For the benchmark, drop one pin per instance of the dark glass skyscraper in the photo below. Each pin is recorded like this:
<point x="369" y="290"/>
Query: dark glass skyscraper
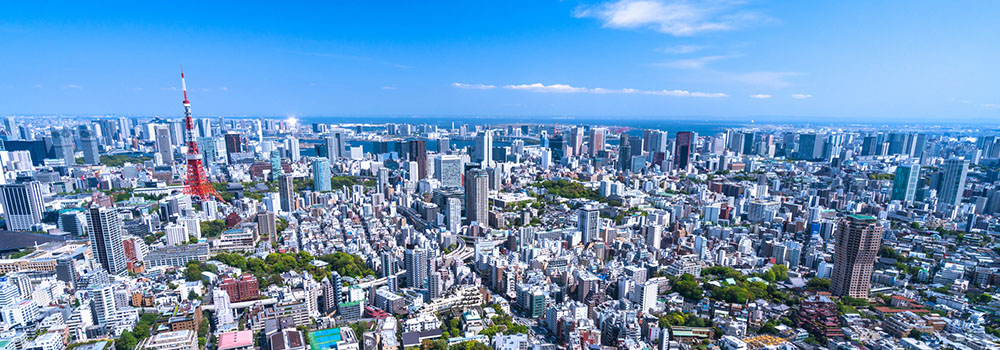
<point x="682" y="149"/>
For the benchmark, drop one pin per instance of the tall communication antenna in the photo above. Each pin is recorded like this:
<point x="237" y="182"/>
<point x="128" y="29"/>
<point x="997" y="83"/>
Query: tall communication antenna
<point x="196" y="183"/>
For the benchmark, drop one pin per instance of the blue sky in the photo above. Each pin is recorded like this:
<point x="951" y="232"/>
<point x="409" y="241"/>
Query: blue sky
<point x="789" y="60"/>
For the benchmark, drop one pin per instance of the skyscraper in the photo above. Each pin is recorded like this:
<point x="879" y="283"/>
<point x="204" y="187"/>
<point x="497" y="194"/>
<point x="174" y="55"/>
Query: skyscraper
<point x="286" y="194"/>
<point x="418" y="153"/>
<point x="476" y="192"/>
<point x="336" y="145"/>
<point x="105" y="228"/>
<point x="88" y="141"/>
<point x="62" y="145"/>
<point x="448" y="170"/>
<point x="682" y="149"/>
<point x="952" y="183"/>
<point x="435" y="285"/>
<point x="587" y="222"/>
<point x="267" y="225"/>
<point x="657" y="141"/>
<point x="235" y="146"/>
<point x="904" y="186"/>
<point x="810" y="147"/>
<point x="576" y="140"/>
<point x="321" y="175"/>
<point x="484" y="148"/>
<point x="415" y="261"/>
<point x="276" y="169"/>
<point x="295" y="153"/>
<point x="22" y="205"/>
<point x="163" y="145"/>
<point x="624" y="154"/>
<point x="597" y="136"/>
<point x="858" y="241"/>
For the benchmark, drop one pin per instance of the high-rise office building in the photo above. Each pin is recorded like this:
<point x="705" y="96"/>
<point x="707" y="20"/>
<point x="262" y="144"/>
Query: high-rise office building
<point x="858" y="241"/>
<point x="588" y="222"/>
<point x="105" y="229"/>
<point x="476" y="196"/>
<point x="418" y="154"/>
<point x="869" y="145"/>
<point x="904" y="186"/>
<point x="295" y="152"/>
<point x="952" y="184"/>
<point x="415" y="262"/>
<point x="88" y="141"/>
<point x="657" y="141"/>
<point x="683" y="143"/>
<point x="237" y="148"/>
<point x="448" y="170"/>
<point x="267" y="225"/>
<point x="276" y="169"/>
<point x="163" y="144"/>
<point x="321" y="175"/>
<point x="596" y="141"/>
<point x="286" y="192"/>
<point x="62" y="145"/>
<point x="22" y="205"/>
<point x="435" y="285"/>
<point x="810" y="147"/>
<point x="336" y="145"/>
<point x="576" y="140"/>
<point x="624" y="154"/>
<point x="484" y="148"/>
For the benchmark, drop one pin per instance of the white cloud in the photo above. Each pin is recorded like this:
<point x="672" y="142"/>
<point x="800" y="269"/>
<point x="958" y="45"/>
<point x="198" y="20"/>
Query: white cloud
<point x="71" y="86"/>
<point x="564" y="88"/>
<point x="539" y="87"/>
<point x="801" y="96"/>
<point x="760" y="96"/>
<point x="991" y="105"/>
<point x="693" y="63"/>
<point x="389" y="87"/>
<point x="682" y="49"/>
<point x="472" y="86"/>
<point x="674" y="17"/>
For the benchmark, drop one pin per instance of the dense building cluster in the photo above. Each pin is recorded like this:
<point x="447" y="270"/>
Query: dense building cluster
<point x="397" y="236"/>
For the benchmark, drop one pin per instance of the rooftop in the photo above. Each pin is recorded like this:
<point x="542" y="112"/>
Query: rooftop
<point x="233" y="340"/>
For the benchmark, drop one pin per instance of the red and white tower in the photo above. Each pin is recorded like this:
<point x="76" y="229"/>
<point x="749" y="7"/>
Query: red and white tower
<point x="196" y="183"/>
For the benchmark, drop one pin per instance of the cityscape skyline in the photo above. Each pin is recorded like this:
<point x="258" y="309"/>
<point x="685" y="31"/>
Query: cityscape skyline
<point x="757" y="60"/>
<point x="562" y="175"/>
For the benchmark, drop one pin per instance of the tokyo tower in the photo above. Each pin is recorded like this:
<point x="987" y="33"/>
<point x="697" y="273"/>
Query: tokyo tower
<point x="196" y="183"/>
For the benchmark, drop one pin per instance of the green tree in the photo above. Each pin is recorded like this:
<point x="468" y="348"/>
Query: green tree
<point x="780" y="272"/>
<point x="126" y="341"/>
<point x="818" y="284"/>
<point x="769" y="327"/>
<point x="688" y="287"/>
<point x="212" y="228"/>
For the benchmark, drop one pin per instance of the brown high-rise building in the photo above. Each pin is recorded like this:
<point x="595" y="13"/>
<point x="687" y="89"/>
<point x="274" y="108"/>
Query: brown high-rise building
<point x="859" y="238"/>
